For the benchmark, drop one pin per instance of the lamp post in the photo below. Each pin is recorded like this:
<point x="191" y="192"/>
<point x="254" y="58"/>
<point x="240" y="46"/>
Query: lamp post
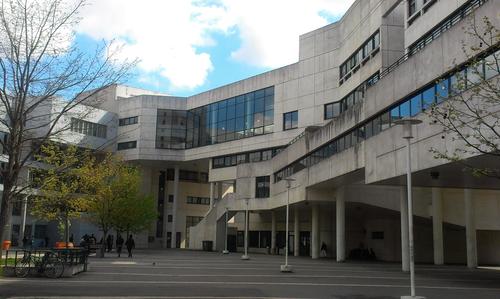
<point x="245" y="256"/>
<point x="407" y="124"/>
<point x="225" y="251"/>
<point x="286" y="267"/>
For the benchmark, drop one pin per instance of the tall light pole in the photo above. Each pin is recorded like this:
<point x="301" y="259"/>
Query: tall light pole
<point x="407" y="124"/>
<point x="225" y="251"/>
<point x="245" y="256"/>
<point x="286" y="267"/>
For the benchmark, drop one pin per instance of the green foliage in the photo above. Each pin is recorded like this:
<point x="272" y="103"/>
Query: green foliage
<point x="114" y="200"/>
<point x="59" y="183"/>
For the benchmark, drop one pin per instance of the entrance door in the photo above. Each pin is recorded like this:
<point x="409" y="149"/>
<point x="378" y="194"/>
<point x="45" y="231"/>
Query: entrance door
<point x="178" y="240"/>
<point x="291" y="238"/>
<point x="305" y="244"/>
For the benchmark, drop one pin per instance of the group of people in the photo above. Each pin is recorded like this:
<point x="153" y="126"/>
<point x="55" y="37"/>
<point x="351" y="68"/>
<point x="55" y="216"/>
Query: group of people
<point x="87" y="241"/>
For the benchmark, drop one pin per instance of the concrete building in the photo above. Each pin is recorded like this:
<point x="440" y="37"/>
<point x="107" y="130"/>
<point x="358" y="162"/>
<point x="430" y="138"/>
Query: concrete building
<point x="327" y="121"/>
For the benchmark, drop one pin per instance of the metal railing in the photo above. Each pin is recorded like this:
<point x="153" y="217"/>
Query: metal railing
<point x="70" y="256"/>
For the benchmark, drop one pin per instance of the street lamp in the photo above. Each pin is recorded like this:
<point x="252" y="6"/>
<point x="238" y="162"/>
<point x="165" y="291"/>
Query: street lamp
<point x="407" y="124"/>
<point x="245" y="256"/>
<point x="225" y="251"/>
<point x="286" y="267"/>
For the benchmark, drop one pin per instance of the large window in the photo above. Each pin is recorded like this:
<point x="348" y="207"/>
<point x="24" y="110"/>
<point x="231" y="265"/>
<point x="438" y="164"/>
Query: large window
<point x="171" y="129"/>
<point x="88" y="128"/>
<point x="194" y="200"/>
<point x="235" y="118"/>
<point x="290" y="120"/>
<point x="262" y="186"/>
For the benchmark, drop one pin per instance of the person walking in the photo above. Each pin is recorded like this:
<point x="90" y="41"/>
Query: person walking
<point x="323" y="249"/>
<point x="130" y="245"/>
<point x="109" y="243"/>
<point x="119" y="244"/>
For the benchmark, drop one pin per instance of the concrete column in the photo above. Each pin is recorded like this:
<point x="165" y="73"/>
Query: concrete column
<point x="340" y="224"/>
<point x="437" y="226"/>
<point x="273" y="232"/>
<point x="219" y="190"/>
<point x="405" y="249"/>
<point x="212" y="190"/>
<point x="470" y="229"/>
<point x="296" y="232"/>
<point x="174" y="208"/>
<point x="315" y="231"/>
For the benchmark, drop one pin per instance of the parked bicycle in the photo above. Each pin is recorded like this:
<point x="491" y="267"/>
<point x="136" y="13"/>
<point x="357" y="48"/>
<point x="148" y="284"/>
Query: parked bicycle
<point x="49" y="264"/>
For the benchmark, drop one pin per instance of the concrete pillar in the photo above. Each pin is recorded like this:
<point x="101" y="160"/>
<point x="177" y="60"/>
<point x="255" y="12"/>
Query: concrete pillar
<point x="315" y="231"/>
<point x="219" y="190"/>
<point x="273" y="232"/>
<point x="470" y="229"/>
<point x="174" y="208"/>
<point x="437" y="226"/>
<point x="405" y="249"/>
<point x="340" y="224"/>
<point x="296" y="232"/>
<point x="212" y="190"/>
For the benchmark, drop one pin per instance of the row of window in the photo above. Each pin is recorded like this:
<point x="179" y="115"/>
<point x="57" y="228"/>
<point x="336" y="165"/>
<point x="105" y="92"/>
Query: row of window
<point x="369" y="47"/>
<point x="126" y="145"/>
<point x="88" y="128"/>
<point x="433" y="94"/>
<point x="415" y="6"/>
<point x="446" y="24"/>
<point x="290" y="120"/>
<point x="198" y="200"/>
<point x="336" y="108"/>
<point x="233" y="160"/>
<point x="128" y="121"/>
<point x="235" y="118"/>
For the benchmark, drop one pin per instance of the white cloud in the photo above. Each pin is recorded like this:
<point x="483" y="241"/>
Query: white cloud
<point x="167" y="36"/>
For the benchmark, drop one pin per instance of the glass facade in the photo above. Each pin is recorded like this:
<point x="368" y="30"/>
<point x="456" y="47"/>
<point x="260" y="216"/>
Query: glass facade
<point x="256" y="156"/>
<point x="235" y="118"/>
<point x="88" y="128"/>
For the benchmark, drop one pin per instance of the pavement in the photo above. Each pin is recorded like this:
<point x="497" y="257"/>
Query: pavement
<point x="194" y="274"/>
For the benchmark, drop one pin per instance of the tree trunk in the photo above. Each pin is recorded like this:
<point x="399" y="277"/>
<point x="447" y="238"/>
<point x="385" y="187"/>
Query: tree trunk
<point x="66" y="230"/>
<point x="102" y="250"/>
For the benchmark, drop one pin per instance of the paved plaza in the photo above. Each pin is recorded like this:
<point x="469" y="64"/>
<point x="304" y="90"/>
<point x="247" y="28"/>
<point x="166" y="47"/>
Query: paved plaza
<point x="193" y="274"/>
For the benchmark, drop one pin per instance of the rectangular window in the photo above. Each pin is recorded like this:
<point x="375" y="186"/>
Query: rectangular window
<point x="169" y="218"/>
<point x="128" y="121"/>
<point x="428" y="97"/>
<point x="290" y="120"/>
<point x="262" y="186"/>
<point x="126" y="145"/>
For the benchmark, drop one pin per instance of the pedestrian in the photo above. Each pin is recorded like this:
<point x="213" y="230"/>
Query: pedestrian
<point x="130" y="245"/>
<point x="119" y="244"/>
<point x="25" y="242"/>
<point x="71" y="239"/>
<point x="109" y="242"/>
<point x="323" y="249"/>
<point x="46" y="239"/>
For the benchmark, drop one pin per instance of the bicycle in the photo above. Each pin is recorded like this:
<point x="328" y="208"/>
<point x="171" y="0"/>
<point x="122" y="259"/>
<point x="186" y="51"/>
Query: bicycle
<point x="49" y="264"/>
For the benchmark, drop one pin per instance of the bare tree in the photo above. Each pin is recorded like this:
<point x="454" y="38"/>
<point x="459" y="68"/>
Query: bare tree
<point x="43" y="76"/>
<point x="471" y="113"/>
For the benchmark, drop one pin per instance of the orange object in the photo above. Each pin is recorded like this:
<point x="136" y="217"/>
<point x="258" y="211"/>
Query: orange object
<point x="63" y="245"/>
<point x="6" y="245"/>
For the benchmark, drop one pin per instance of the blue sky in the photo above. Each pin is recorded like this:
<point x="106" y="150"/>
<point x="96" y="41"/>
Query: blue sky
<point x="186" y="47"/>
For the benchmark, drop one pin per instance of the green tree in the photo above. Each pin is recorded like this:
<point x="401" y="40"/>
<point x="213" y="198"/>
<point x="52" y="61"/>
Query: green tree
<point x="111" y="187"/>
<point x="58" y="183"/>
<point x="471" y="115"/>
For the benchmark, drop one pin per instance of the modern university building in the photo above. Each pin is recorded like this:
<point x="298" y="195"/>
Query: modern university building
<point x="327" y="122"/>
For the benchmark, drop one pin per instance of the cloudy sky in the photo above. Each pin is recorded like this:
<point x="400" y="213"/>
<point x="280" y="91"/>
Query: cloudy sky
<point x="186" y="47"/>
